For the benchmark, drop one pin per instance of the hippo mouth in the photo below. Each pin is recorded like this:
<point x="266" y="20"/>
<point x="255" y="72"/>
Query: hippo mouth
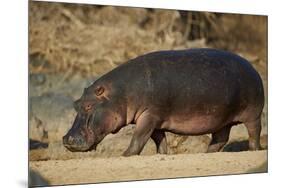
<point x="86" y="145"/>
<point x="80" y="148"/>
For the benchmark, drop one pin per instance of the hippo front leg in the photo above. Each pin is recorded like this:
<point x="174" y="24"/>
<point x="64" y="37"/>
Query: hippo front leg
<point x="145" y="126"/>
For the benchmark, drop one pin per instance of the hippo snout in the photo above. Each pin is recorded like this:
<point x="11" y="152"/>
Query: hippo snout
<point x="68" y="140"/>
<point x="75" y="143"/>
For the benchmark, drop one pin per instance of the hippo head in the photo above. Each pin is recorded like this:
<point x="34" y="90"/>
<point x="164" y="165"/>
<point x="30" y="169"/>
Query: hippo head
<point x="96" y="117"/>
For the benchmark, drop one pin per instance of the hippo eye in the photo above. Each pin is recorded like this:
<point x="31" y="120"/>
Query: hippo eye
<point x="99" y="90"/>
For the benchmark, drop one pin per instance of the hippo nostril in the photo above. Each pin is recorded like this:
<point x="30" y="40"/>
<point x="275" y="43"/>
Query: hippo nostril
<point x="79" y="140"/>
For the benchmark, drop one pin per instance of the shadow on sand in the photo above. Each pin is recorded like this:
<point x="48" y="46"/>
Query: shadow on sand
<point x="243" y="145"/>
<point x="34" y="144"/>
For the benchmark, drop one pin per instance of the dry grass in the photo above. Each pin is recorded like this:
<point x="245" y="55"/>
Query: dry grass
<point x="92" y="40"/>
<point x="81" y="40"/>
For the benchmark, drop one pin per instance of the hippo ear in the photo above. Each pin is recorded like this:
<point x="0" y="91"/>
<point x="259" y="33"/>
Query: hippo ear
<point x="99" y="90"/>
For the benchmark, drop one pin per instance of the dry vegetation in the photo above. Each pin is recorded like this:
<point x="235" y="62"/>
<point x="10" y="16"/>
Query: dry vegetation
<point x="94" y="39"/>
<point x="70" y="45"/>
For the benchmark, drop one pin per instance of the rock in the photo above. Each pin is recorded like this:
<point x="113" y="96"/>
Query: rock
<point x="41" y="84"/>
<point x="37" y="79"/>
<point x="37" y="130"/>
<point x="51" y="115"/>
<point x="187" y="144"/>
<point x="50" y="105"/>
<point x="51" y="98"/>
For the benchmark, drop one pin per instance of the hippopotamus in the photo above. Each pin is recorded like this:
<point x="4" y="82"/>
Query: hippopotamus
<point x="186" y="92"/>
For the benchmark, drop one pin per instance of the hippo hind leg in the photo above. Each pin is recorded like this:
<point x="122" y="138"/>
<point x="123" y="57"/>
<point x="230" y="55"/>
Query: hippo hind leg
<point x="219" y="139"/>
<point x="254" y="131"/>
<point x="159" y="137"/>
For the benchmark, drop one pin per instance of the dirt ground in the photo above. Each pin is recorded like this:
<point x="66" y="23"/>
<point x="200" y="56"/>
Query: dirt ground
<point x="70" y="46"/>
<point x="88" y="170"/>
<point x="186" y="158"/>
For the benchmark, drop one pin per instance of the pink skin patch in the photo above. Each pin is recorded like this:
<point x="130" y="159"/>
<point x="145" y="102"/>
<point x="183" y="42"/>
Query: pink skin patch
<point x="88" y="134"/>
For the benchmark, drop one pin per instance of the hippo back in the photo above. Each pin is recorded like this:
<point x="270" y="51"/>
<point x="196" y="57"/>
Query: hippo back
<point x="188" y="81"/>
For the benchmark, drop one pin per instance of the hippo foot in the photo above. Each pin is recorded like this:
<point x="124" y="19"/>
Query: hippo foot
<point x="254" y="131"/>
<point x="215" y="147"/>
<point x="162" y="150"/>
<point x="253" y="146"/>
<point x="128" y="153"/>
<point x="219" y="139"/>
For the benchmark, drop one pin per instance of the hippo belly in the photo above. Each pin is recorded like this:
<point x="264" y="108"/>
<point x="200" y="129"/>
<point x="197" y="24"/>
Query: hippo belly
<point x="197" y="125"/>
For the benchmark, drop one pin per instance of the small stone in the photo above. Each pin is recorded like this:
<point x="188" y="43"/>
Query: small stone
<point x="37" y="79"/>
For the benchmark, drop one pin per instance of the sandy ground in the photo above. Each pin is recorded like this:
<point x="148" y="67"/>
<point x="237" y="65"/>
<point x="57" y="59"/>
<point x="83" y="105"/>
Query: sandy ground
<point x="93" y="170"/>
<point x="186" y="158"/>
